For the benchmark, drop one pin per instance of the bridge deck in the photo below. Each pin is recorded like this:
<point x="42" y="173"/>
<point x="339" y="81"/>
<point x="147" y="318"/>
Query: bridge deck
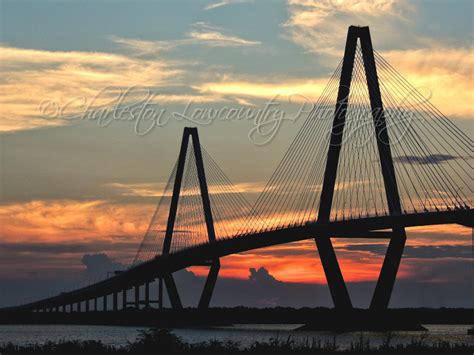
<point x="199" y="254"/>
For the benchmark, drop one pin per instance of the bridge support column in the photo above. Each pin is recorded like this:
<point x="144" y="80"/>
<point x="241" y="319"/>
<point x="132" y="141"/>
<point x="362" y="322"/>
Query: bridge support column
<point x="209" y="285"/>
<point x="137" y="296"/>
<point x="173" y="292"/>
<point x="147" y="294"/>
<point x="334" y="277"/>
<point x="87" y="305"/>
<point x="160" y="293"/>
<point x="388" y="273"/>
<point x="105" y="303"/>
<point x="124" y="299"/>
<point x="95" y="304"/>
<point x="79" y="306"/>
<point x="115" y="301"/>
<point x="337" y="286"/>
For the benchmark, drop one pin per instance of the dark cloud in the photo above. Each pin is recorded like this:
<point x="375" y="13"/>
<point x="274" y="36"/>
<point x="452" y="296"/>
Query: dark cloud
<point x="48" y="281"/>
<point x="441" y="271"/>
<point x="98" y="265"/>
<point x="427" y="159"/>
<point x="262" y="277"/>
<point x="429" y="251"/>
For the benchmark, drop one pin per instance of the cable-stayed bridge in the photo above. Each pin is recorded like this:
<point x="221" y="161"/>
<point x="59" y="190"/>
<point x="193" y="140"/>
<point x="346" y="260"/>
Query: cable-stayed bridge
<point x="373" y="158"/>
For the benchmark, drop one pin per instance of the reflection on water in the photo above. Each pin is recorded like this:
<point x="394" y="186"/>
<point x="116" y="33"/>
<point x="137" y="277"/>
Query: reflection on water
<point x="245" y="334"/>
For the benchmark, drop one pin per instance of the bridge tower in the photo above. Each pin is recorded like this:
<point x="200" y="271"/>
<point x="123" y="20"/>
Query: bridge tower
<point x="190" y="132"/>
<point x="386" y="281"/>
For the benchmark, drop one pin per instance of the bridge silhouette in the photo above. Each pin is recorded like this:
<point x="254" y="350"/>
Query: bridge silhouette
<point x="368" y="163"/>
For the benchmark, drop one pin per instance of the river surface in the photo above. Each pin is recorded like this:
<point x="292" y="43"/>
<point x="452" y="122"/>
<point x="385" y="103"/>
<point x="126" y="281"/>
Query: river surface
<point x="245" y="334"/>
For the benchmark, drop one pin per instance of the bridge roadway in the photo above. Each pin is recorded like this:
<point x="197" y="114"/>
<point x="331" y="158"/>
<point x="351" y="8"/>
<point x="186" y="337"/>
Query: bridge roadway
<point x="370" y="227"/>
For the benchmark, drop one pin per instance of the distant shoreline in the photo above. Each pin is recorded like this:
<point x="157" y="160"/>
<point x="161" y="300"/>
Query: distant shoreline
<point x="313" y="318"/>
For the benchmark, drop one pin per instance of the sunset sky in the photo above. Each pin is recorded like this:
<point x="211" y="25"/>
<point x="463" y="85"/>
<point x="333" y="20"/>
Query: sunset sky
<point x="79" y="178"/>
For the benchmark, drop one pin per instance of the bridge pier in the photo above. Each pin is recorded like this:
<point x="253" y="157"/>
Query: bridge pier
<point x="337" y="286"/>
<point x="79" y="306"/>
<point x="87" y="305"/>
<point x="206" y="295"/>
<point x="115" y="301"/>
<point x="173" y="292"/>
<point x="160" y="293"/>
<point x="137" y="296"/>
<point x="104" y="303"/>
<point x="147" y="294"/>
<point x="333" y="273"/>
<point x="388" y="273"/>
<point x="124" y="299"/>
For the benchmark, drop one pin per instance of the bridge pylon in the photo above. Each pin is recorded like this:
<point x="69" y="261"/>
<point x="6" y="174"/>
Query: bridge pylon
<point x="191" y="132"/>
<point x="386" y="281"/>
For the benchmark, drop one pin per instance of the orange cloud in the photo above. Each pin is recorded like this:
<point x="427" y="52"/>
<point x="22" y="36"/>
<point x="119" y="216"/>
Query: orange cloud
<point x="72" y="221"/>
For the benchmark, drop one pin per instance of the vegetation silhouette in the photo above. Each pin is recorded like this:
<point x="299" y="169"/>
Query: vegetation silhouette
<point x="163" y="341"/>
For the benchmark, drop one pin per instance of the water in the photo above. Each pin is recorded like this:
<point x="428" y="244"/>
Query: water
<point x="245" y="334"/>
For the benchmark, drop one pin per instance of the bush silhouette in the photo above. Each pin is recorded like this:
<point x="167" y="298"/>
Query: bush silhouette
<point x="156" y="339"/>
